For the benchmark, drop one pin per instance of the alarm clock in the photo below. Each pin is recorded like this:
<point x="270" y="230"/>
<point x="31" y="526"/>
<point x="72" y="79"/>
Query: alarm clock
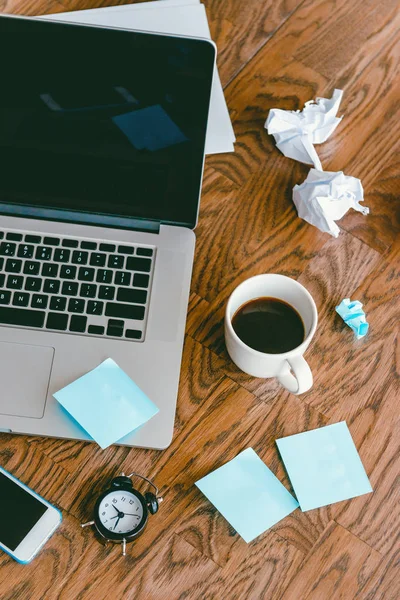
<point x="121" y="512"/>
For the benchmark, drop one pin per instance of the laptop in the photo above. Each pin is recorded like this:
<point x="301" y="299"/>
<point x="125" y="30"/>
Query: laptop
<point x="102" y="135"/>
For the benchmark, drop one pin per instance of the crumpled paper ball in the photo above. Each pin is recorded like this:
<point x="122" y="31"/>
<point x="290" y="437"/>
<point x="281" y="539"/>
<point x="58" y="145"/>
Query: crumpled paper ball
<point x="295" y="131"/>
<point x="325" y="196"/>
<point x="353" y="315"/>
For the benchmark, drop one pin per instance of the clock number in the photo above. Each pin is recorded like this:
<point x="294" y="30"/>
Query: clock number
<point x="103" y="513"/>
<point x="106" y="505"/>
<point x="130" y="501"/>
<point x="123" y="499"/>
<point x="114" y="501"/>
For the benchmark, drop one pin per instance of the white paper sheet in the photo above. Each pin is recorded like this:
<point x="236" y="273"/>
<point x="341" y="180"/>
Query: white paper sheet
<point x="179" y="17"/>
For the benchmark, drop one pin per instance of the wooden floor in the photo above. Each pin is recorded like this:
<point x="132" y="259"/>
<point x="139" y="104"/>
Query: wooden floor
<point x="272" y="53"/>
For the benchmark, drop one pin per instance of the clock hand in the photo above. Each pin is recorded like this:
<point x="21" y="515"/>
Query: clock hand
<point x="131" y="515"/>
<point x="116" y="522"/>
<point x="113" y="505"/>
<point x="114" y="517"/>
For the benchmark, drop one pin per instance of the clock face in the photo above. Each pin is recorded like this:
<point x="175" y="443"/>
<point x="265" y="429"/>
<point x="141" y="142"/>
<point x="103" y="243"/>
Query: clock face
<point x="120" y="512"/>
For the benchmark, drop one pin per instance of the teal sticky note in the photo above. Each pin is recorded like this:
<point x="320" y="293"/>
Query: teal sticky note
<point x="247" y="494"/>
<point x="106" y="403"/>
<point x="324" y="466"/>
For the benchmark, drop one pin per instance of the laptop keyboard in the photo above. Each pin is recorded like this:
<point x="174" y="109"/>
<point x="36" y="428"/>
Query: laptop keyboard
<point x="75" y="285"/>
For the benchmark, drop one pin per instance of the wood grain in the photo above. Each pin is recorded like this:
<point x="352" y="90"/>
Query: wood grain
<point x="345" y="564"/>
<point x="270" y="54"/>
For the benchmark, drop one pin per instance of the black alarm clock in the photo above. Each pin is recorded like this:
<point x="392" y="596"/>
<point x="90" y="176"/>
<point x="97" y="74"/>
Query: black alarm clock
<point x="121" y="512"/>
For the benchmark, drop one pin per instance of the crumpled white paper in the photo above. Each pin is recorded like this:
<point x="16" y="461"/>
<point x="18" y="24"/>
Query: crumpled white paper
<point x="295" y="131"/>
<point x="325" y="197"/>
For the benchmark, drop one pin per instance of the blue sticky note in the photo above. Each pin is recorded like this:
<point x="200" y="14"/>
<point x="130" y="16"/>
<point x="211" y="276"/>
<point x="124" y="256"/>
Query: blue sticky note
<point x="324" y="466"/>
<point x="149" y="128"/>
<point x="106" y="403"/>
<point x="247" y="494"/>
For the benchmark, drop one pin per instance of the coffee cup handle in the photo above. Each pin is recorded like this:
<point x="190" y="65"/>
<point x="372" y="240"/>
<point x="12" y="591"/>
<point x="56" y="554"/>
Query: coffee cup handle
<point x="302" y="379"/>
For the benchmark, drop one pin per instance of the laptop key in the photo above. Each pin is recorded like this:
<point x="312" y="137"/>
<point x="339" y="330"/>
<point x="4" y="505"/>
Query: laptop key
<point x="144" y="251"/>
<point x="39" y="301"/>
<point x="5" y="298"/>
<point x="97" y="259"/>
<point x="14" y="237"/>
<point x="57" y="321"/>
<point x="138" y="264"/>
<point x="49" y="270"/>
<point x="20" y="299"/>
<point x="86" y="274"/>
<point x="88" y="245"/>
<point x="133" y="334"/>
<point x="107" y="247"/>
<point x="116" y="262"/>
<point x="79" y="257"/>
<point x="25" y="251"/>
<point x="70" y="243"/>
<point x="2" y="280"/>
<point x="33" y="284"/>
<point x="122" y="278"/>
<point x="78" y="323"/>
<point x="104" y="276"/>
<point x="1" y="263"/>
<point x="106" y="292"/>
<point x="97" y="329"/>
<point x="94" y="307"/>
<point x="62" y="255"/>
<point x="115" y="328"/>
<point x="133" y="296"/>
<point x="69" y="288"/>
<point x="44" y="253"/>
<point x="88" y="290"/>
<point x="126" y="250"/>
<point x="33" y="239"/>
<point x="7" y="249"/>
<point x="124" y="311"/>
<point x="31" y="267"/>
<point x="51" y="286"/>
<point x="13" y="265"/>
<point x="58" y="303"/>
<point x="67" y="272"/>
<point x="22" y="316"/>
<point x="76" y="305"/>
<point x="140" y="280"/>
<point x="15" y="282"/>
<point x="51" y="241"/>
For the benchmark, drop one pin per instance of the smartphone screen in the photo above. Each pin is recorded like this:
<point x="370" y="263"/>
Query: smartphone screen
<point x="19" y="512"/>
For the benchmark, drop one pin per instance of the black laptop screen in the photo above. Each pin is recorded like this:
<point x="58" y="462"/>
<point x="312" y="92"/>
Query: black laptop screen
<point x="102" y="121"/>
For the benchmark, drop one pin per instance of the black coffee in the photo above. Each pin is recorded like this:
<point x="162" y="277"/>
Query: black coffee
<point x="269" y="325"/>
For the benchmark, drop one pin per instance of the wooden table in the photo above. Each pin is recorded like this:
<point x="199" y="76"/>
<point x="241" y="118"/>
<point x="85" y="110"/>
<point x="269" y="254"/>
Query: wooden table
<point x="272" y="53"/>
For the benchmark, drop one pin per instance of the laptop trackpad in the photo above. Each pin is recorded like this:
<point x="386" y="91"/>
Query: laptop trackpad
<point x="24" y="375"/>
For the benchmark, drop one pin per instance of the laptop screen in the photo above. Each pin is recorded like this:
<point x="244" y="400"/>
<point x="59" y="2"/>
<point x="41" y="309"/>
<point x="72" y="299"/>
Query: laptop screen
<point x="102" y="122"/>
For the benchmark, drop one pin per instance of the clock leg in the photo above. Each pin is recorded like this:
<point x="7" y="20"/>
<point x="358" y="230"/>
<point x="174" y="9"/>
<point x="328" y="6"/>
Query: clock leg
<point x="124" y="547"/>
<point x="87" y="524"/>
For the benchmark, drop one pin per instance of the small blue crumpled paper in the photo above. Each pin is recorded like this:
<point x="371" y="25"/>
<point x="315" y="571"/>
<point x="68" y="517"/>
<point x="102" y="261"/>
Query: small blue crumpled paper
<point x="106" y="403"/>
<point x="353" y="315"/>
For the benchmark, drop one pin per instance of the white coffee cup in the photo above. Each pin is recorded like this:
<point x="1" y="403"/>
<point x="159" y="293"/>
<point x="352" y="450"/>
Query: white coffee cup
<point x="261" y="364"/>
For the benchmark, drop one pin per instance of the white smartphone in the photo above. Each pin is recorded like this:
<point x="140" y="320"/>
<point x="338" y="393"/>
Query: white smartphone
<point x="26" y="519"/>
